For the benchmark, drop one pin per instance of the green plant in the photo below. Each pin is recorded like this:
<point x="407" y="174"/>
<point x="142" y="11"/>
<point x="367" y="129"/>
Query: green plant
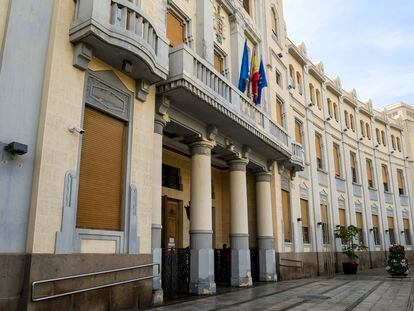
<point x="397" y="264"/>
<point x="348" y="237"/>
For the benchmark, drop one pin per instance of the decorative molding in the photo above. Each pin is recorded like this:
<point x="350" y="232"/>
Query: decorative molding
<point x="132" y="232"/>
<point x="82" y="55"/>
<point x="142" y="89"/>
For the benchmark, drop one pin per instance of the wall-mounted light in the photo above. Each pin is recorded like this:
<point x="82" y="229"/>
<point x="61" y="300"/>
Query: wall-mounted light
<point x="345" y="129"/>
<point x="126" y="66"/>
<point x="361" y="139"/>
<point x="376" y="146"/>
<point x="280" y="55"/>
<point x="386" y="231"/>
<point x="402" y="231"/>
<point x="319" y="223"/>
<point x="310" y="104"/>
<point x="338" y="226"/>
<point x="16" y="148"/>
<point x="299" y="219"/>
<point x="370" y="230"/>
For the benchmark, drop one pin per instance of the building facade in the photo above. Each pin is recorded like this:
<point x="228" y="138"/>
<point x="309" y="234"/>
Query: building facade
<point x="135" y="152"/>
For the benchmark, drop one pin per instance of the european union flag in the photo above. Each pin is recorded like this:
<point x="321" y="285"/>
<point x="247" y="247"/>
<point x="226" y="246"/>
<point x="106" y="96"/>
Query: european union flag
<point x="244" y="70"/>
<point x="262" y="82"/>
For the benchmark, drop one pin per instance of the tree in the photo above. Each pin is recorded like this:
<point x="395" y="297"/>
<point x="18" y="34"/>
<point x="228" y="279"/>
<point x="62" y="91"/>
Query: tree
<point x="348" y="237"/>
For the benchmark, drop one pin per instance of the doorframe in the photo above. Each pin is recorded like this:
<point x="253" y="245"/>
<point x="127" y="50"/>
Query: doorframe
<point x="180" y="216"/>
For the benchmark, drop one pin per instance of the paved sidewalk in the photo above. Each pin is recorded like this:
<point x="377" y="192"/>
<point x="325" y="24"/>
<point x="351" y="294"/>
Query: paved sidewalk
<point x="371" y="290"/>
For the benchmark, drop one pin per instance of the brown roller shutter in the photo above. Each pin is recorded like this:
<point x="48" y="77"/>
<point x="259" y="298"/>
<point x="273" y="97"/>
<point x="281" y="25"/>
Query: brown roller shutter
<point x="375" y="221"/>
<point x="218" y="62"/>
<point x="279" y="113"/>
<point x="384" y="175"/>
<point x="304" y="212"/>
<point x="318" y="146"/>
<point x="175" y="29"/>
<point x="324" y="214"/>
<point x="406" y="224"/>
<point x="359" y="220"/>
<point x="390" y="222"/>
<point x="246" y="5"/>
<point x="342" y="218"/>
<point x="298" y="132"/>
<point x="369" y="172"/>
<point x="400" y="179"/>
<point x="336" y="160"/>
<point x="352" y="160"/>
<point x="101" y="172"/>
<point x="286" y="215"/>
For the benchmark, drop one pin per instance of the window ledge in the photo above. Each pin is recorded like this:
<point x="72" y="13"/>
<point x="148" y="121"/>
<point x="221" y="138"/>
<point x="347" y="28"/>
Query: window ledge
<point x="356" y="184"/>
<point x="372" y="188"/>
<point x="340" y="178"/>
<point x="387" y="192"/>
<point x="322" y="171"/>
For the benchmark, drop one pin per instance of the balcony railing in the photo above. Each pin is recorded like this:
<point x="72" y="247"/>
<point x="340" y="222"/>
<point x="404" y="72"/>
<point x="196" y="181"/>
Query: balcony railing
<point x="118" y="30"/>
<point x="298" y="155"/>
<point x="214" y="87"/>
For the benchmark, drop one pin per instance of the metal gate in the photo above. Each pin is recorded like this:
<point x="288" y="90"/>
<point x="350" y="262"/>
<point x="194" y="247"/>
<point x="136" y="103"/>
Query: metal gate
<point x="222" y="267"/>
<point x="175" y="275"/>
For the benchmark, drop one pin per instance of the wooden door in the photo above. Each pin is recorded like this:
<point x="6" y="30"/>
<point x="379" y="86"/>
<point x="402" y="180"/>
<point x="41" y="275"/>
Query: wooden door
<point x="172" y="223"/>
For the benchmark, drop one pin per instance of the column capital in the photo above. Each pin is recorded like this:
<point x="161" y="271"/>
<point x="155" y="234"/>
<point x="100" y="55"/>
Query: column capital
<point x="263" y="176"/>
<point x="201" y="147"/>
<point x="238" y="164"/>
<point x="159" y="123"/>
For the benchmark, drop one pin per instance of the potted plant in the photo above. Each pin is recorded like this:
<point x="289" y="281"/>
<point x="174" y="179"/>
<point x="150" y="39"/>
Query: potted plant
<point x="348" y="237"/>
<point x="397" y="263"/>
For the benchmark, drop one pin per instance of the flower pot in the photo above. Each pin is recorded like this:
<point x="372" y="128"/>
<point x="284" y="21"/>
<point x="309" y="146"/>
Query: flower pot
<point x="350" y="267"/>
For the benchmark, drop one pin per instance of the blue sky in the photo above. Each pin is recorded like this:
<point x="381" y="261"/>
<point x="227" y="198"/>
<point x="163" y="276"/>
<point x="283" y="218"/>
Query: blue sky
<point x="369" y="44"/>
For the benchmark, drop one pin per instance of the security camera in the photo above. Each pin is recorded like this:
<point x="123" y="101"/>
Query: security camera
<point x="76" y="129"/>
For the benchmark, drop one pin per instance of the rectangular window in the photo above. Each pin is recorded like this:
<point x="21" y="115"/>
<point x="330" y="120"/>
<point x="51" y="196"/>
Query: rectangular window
<point x="246" y="5"/>
<point x="391" y="230"/>
<point x="324" y="220"/>
<point x="305" y="220"/>
<point x="298" y="132"/>
<point x="377" y="131"/>
<point x="407" y="234"/>
<point x="278" y="78"/>
<point x="279" y="112"/>
<point x="175" y="29"/>
<point x="368" y="131"/>
<point x="171" y="177"/>
<point x="101" y="175"/>
<point x="337" y="162"/>
<point x="342" y="219"/>
<point x="218" y="62"/>
<point x="360" y="227"/>
<point x="375" y="228"/>
<point x="362" y="128"/>
<point x="286" y="215"/>
<point x="385" y="178"/>
<point x="354" y="168"/>
<point x="318" y="146"/>
<point x="384" y="142"/>
<point x="369" y="173"/>
<point x="400" y="176"/>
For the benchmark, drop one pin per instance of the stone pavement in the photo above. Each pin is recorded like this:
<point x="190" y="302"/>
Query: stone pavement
<point x="371" y="290"/>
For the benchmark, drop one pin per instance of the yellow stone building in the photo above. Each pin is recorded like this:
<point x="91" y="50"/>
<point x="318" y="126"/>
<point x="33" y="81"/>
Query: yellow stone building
<point x="133" y="169"/>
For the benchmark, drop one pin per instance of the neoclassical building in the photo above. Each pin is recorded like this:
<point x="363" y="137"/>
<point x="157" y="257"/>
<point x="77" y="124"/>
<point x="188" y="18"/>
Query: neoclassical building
<point x="132" y="169"/>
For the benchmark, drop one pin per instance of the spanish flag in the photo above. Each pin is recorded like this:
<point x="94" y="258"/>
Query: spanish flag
<point x="254" y="77"/>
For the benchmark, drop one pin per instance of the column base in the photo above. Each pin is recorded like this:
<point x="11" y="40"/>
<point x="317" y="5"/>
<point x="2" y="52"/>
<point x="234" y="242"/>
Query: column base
<point x="202" y="264"/>
<point x="267" y="259"/>
<point x="157" y="297"/>
<point x="156" y="258"/>
<point x="241" y="275"/>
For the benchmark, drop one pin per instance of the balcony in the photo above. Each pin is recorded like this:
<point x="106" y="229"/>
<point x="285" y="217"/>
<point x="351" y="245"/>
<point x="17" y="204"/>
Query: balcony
<point x="119" y="33"/>
<point x="298" y="157"/>
<point x="195" y="87"/>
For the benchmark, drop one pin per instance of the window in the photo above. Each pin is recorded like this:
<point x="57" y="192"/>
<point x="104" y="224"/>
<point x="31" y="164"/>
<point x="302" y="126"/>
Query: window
<point x="218" y="62"/>
<point x="299" y="82"/>
<point x="305" y="220"/>
<point x="275" y="23"/>
<point x="354" y="168"/>
<point x="400" y="177"/>
<point x="279" y="112"/>
<point x="286" y="215"/>
<point x="346" y="119"/>
<point x="391" y="230"/>
<point x="336" y="112"/>
<point x="398" y="144"/>
<point x="375" y="229"/>
<point x="385" y="177"/>
<point x="377" y="131"/>
<point x="318" y="146"/>
<point x="360" y="227"/>
<point x="330" y="112"/>
<point x="384" y="142"/>
<point x="246" y="5"/>
<point x="369" y="173"/>
<point x="175" y="29"/>
<point x="312" y="93"/>
<point x="368" y="131"/>
<point x="337" y="162"/>
<point x="171" y="177"/>
<point x="361" y="123"/>
<point x="279" y="78"/>
<point x="298" y="131"/>
<point x="342" y="219"/>
<point x="324" y="221"/>
<point x="291" y="76"/>
<point x="318" y="99"/>
<point x="101" y="176"/>
<point x="393" y="142"/>
<point x="352" y="122"/>
<point x="407" y="234"/>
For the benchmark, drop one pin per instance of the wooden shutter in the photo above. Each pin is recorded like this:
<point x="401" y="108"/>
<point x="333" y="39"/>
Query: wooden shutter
<point x="218" y="62"/>
<point x="324" y="214"/>
<point x="378" y="136"/>
<point x="352" y="161"/>
<point x="342" y="218"/>
<point x="400" y="180"/>
<point x="274" y="19"/>
<point x="390" y="222"/>
<point x="246" y="5"/>
<point x="336" y="160"/>
<point x="358" y="220"/>
<point x="406" y="223"/>
<point x="384" y="175"/>
<point x="298" y="132"/>
<point x="318" y="146"/>
<point x="279" y="113"/>
<point x="101" y="172"/>
<point x="286" y="215"/>
<point x="346" y="119"/>
<point x="368" y="131"/>
<point x="375" y="221"/>
<point x="175" y="29"/>
<point x="369" y="171"/>
<point x="362" y="128"/>
<point x="304" y="212"/>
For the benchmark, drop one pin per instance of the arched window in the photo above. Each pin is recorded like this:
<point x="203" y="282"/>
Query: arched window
<point x="336" y="112"/>
<point x="393" y="142"/>
<point x="352" y="121"/>
<point x="398" y="144"/>
<point x="361" y="123"/>
<point x="346" y="119"/>
<point x="275" y="23"/>
<point x="312" y="93"/>
<point x="368" y="131"/>
<point x="384" y="142"/>
<point x="330" y="112"/>
<point x="377" y="132"/>
<point x="299" y="82"/>
<point x="318" y="99"/>
<point x="291" y="76"/>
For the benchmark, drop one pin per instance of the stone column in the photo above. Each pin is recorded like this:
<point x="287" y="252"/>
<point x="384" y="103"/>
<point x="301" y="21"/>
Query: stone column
<point x="239" y="228"/>
<point x="265" y="240"/>
<point x="159" y="124"/>
<point x="202" y="254"/>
